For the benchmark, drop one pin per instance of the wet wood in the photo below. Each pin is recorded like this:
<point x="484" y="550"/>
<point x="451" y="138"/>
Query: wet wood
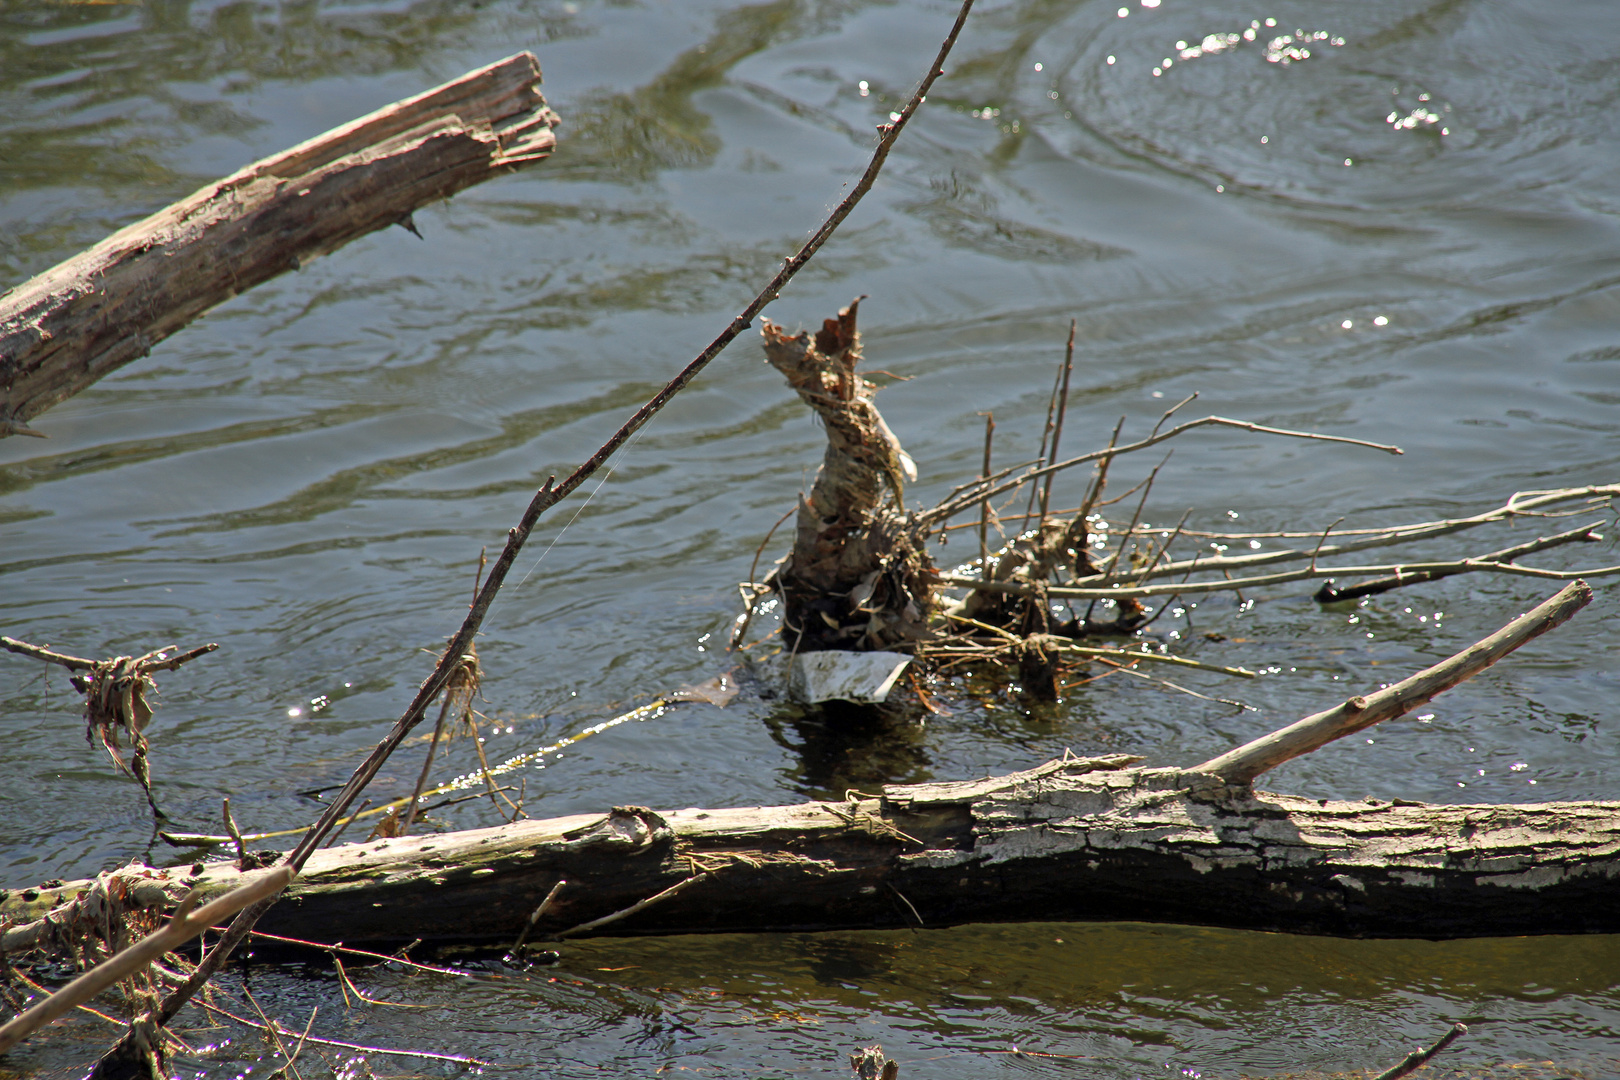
<point x="1079" y="839"/>
<point x="73" y="324"/>
<point x="1358" y="713"/>
<point x="859" y="575"/>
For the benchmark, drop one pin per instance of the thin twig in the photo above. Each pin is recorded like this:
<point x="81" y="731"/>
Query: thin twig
<point x="1147" y="489"/>
<point x="536" y="915"/>
<point x="275" y="1036"/>
<point x="1040" y="454"/>
<point x="1125" y="669"/>
<point x="1157" y="658"/>
<point x="1156" y="555"/>
<point x="1172" y="410"/>
<point x="747" y="619"/>
<point x="954" y="506"/>
<point x="72" y="663"/>
<point x="984" y="507"/>
<point x="1100" y="481"/>
<point x="351" y="951"/>
<point x="421" y="778"/>
<point x="299" y="1049"/>
<point x="339" y="834"/>
<point x="640" y="905"/>
<point x="245" y="1022"/>
<point x="236" y="837"/>
<point x="1057" y="428"/>
<point x="344" y="980"/>
<point x="1323" y="540"/>
<point x="1418" y="1058"/>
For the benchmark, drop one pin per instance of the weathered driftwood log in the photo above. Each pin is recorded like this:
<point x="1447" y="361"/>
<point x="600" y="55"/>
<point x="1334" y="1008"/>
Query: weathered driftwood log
<point x="1082" y="839"/>
<point x="71" y="325"/>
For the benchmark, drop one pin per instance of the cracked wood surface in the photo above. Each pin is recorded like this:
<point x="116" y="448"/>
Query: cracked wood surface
<point x="80" y="320"/>
<point x="1076" y="839"/>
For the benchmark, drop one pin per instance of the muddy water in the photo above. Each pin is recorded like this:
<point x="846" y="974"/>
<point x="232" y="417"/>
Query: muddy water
<point x="1393" y="221"/>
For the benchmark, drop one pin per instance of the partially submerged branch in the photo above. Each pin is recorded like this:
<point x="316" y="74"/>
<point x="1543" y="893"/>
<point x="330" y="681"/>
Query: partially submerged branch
<point x="122" y="1057"/>
<point x="1242" y="765"/>
<point x="80" y="320"/>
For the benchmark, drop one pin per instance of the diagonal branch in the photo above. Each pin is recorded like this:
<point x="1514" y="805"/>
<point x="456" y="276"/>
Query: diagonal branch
<point x="1242" y="765"/>
<point x="544" y="499"/>
<point x="978" y="491"/>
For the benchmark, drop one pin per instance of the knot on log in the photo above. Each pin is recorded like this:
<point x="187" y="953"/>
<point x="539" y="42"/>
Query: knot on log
<point x="634" y="827"/>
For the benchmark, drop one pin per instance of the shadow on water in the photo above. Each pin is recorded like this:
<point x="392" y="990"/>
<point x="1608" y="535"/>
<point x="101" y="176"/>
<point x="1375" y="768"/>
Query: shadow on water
<point x="844" y="747"/>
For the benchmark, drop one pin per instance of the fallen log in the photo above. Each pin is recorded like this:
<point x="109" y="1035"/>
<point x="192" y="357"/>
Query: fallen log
<point x="80" y="320"/>
<point x="1075" y="839"/>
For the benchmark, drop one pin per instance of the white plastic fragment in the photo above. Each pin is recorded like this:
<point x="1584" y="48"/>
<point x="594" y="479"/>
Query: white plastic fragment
<point x="863" y="677"/>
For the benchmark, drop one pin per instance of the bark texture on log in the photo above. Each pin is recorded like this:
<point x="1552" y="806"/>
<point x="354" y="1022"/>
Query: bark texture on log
<point x="858" y="576"/>
<point x="1077" y="839"/>
<point x="68" y="327"/>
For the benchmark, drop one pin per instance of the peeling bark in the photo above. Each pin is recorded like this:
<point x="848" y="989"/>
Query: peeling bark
<point x="1077" y="839"/>
<point x="859" y="576"/>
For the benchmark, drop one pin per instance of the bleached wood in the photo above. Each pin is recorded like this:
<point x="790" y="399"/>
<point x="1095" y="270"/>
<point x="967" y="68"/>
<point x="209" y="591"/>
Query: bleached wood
<point x="1242" y="765"/>
<point x="101" y="309"/>
<point x="1074" y="839"/>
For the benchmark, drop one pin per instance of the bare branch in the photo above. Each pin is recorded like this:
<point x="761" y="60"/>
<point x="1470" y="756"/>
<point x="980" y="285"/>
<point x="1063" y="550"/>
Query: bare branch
<point x="1418" y="1058"/>
<point x="1242" y="765"/>
<point x="973" y="493"/>
<point x="1327" y="594"/>
<point x="1403" y="573"/>
<point x="1516" y="506"/>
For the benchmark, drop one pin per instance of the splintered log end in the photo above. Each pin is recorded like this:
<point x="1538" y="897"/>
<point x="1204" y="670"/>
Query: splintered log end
<point x="838" y="337"/>
<point x="858" y="578"/>
<point x="66" y="328"/>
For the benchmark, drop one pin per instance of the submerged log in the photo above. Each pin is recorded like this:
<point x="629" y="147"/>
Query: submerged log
<point x="80" y="320"/>
<point x="1075" y="839"/>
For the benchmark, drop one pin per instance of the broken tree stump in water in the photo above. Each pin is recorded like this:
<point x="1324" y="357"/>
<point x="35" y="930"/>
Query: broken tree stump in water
<point x="80" y="320"/>
<point x="859" y="575"/>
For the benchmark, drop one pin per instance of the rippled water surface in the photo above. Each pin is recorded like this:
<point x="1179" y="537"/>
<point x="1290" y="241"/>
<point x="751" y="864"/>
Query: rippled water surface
<point x="1393" y="221"/>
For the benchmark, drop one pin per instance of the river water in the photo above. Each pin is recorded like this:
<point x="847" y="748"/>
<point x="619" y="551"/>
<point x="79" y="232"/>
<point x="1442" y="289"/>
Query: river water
<point x="1393" y="220"/>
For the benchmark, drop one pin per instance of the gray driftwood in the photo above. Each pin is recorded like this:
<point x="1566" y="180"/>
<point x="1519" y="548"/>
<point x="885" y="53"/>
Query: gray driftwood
<point x="71" y="325"/>
<point x="1077" y="839"/>
<point x="1363" y="711"/>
